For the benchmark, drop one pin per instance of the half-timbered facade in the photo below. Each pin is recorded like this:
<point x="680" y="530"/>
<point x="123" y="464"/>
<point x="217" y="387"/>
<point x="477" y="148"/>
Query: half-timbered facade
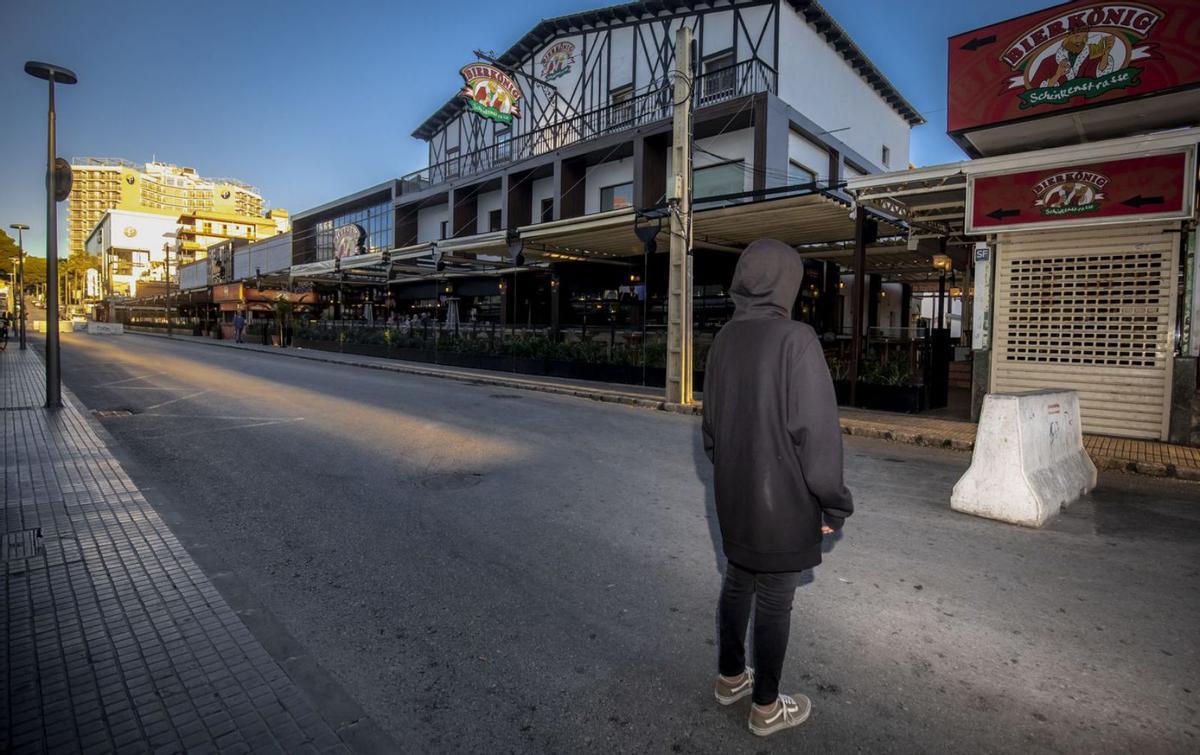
<point x="543" y="179"/>
<point x="597" y="86"/>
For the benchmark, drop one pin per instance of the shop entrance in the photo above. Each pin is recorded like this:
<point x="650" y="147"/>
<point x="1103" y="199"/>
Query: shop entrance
<point x="1091" y="310"/>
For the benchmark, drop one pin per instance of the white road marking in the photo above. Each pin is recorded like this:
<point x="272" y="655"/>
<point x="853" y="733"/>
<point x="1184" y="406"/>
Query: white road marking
<point x="172" y="401"/>
<point x="224" y="429"/>
<point x="126" y="380"/>
<point x="215" y="416"/>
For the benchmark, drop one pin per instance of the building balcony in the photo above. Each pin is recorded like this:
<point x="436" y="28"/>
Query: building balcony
<point x="748" y="77"/>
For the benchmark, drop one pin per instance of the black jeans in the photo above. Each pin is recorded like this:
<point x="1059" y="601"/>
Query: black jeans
<point x="772" y="623"/>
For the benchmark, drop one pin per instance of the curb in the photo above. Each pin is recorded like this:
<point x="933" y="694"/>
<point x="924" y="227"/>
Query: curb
<point x="851" y="427"/>
<point x="593" y="394"/>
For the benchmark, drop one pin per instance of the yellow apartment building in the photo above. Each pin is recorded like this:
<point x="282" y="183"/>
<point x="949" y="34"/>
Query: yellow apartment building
<point x="200" y="229"/>
<point x="102" y="184"/>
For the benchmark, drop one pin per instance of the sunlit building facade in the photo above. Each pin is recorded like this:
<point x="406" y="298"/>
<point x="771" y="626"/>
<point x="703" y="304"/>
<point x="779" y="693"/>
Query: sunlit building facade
<point x="102" y="184"/>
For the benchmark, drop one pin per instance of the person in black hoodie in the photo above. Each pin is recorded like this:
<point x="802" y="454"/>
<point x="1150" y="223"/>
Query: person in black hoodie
<point x="771" y="430"/>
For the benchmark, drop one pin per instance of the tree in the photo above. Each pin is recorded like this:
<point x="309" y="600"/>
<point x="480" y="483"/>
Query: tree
<point x="283" y="315"/>
<point x="35" y="267"/>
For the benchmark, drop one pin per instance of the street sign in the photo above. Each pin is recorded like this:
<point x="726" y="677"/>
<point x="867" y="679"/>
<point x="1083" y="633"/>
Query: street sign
<point x="62" y="179"/>
<point x="1151" y="187"/>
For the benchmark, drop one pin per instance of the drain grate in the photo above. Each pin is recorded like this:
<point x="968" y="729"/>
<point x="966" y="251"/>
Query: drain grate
<point x="113" y="413"/>
<point x="21" y="544"/>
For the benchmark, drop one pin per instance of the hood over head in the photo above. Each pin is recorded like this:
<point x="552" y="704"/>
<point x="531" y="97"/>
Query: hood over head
<point x="767" y="280"/>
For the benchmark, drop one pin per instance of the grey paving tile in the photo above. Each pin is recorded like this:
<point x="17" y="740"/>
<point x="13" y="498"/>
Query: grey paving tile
<point x="114" y="638"/>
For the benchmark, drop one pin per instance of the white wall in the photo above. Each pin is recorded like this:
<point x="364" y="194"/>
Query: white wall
<point x="266" y="256"/>
<point x="953" y="313"/>
<point x="429" y="222"/>
<point x="542" y="188"/>
<point x="487" y="202"/>
<point x="735" y="145"/>
<point x="890" y="305"/>
<point x="818" y="82"/>
<point x="621" y="59"/>
<point x="718" y="33"/>
<point x="150" y="231"/>
<point x="811" y="155"/>
<point x="605" y="174"/>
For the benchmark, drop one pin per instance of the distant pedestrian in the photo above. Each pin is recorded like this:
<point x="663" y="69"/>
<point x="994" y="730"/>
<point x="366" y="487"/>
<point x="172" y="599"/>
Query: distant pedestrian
<point x="771" y="430"/>
<point x="239" y="324"/>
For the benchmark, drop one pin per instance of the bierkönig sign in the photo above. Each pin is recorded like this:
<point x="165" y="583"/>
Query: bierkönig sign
<point x="491" y="93"/>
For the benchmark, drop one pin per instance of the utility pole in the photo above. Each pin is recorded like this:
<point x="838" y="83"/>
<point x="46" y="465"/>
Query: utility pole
<point x="679" y="287"/>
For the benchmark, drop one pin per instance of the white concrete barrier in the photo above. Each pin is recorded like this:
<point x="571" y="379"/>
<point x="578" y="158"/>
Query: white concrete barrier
<point x="105" y="328"/>
<point x="1029" y="461"/>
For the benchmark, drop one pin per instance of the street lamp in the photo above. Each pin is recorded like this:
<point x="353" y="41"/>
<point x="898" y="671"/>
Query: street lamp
<point x="167" y="262"/>
<point x="19" y="228"/>
<point x="52" y="74"/>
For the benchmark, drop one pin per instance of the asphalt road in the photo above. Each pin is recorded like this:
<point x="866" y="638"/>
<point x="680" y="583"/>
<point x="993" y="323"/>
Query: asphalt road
<point x="495" y="570"/>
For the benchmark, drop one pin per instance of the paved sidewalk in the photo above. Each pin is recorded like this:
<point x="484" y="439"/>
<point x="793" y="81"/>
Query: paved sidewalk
<point x="112" y="637"/>
<point x="1145" y="457"/>
<point x="1121" y="454"/>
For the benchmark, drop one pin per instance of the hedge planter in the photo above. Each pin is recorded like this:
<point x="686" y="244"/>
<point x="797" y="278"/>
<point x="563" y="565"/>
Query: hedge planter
<point x="412" y="355"/>
<point x="908" y="399"/>
<point x="842" y="389"/>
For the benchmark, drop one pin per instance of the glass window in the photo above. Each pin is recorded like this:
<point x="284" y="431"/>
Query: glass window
<point x="547" y="209"/>
<point x="799" y="174"/>
<point x="504" y="144"/>
<point x="621" y="105"/>
<point x="718" y="180"/>
<point x="616" y="197"/>
<point x="452" y="165"/>
<point x="444" y="229"/>
<point x="494" y="220"/>
<point x="718" y="77"/>
<point x="886" y="156"/>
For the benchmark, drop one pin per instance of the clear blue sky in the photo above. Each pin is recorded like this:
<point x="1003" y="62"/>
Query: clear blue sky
<point x="313" y="100"/>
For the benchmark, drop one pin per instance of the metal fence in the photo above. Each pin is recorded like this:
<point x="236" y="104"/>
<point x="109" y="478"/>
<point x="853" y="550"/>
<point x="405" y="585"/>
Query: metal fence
<point x="748" y="77"/>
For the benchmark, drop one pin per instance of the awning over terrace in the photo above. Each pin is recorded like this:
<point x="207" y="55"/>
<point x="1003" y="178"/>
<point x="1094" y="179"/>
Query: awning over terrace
<point x="820" y="218"/>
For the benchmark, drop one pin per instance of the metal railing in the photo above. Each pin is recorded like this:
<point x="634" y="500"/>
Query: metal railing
<point x="748" y="77"/>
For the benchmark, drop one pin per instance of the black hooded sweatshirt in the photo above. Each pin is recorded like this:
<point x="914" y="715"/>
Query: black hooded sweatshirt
<point x="771" y="422"/>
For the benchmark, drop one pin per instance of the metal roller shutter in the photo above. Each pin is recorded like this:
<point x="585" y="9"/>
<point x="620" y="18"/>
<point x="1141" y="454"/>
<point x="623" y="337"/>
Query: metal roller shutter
<point x="1090" y="310"/>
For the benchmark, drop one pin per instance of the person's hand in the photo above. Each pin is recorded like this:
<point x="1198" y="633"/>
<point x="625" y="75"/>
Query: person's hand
<point x="826" y="529"/>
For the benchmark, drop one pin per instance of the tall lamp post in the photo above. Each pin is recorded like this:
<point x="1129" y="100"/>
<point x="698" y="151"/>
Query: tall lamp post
<point x="20" y="228"/>
<point x="52" y="75"/>
<point x="167" y="271"/>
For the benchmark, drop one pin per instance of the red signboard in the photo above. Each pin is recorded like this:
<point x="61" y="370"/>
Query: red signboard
<point x="1084" y="193"/>
<point x="1071" y="56"/>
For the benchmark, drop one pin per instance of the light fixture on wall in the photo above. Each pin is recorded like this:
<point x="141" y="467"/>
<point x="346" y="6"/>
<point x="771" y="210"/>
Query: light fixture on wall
<point x="942" y="262"/>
